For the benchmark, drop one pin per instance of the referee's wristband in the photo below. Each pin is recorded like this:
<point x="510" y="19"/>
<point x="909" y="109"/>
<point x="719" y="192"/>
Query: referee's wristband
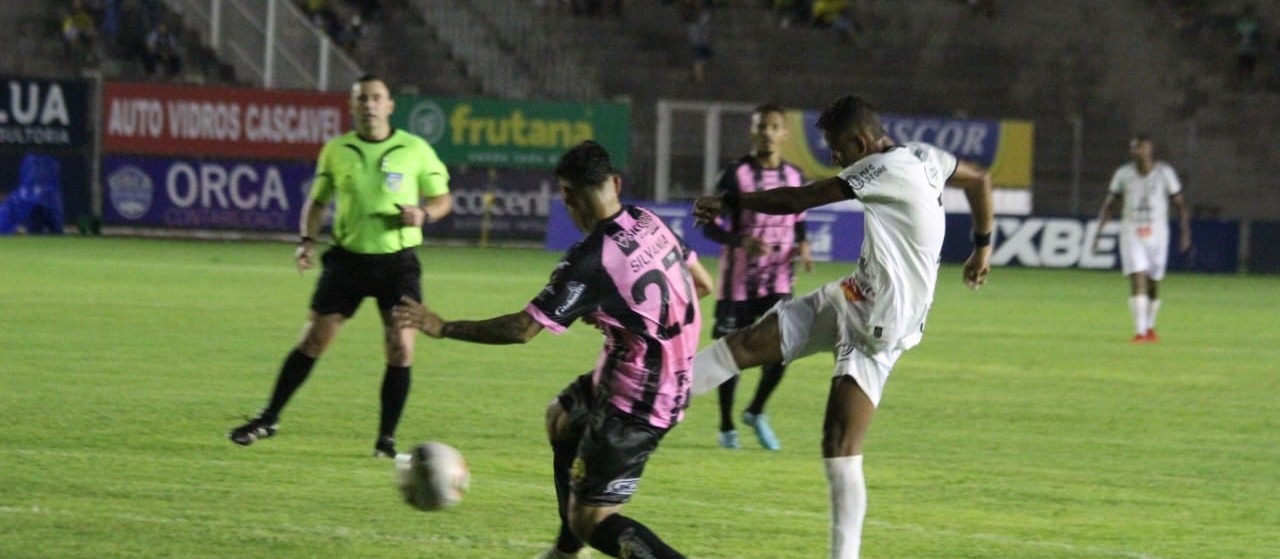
<point x="981" y="240"/>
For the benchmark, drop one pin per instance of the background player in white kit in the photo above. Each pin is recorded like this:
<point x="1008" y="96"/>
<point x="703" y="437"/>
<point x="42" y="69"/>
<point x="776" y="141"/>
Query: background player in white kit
<point x="869" y="318"/>
<point x="1146" y="187"/>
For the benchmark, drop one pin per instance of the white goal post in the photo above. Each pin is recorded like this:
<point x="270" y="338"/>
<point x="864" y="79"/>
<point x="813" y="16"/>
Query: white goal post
<point x="685" y="116"/>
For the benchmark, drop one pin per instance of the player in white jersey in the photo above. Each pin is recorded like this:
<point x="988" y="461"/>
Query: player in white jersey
<point x="869" y="318"/>
<point x="1146" y="188"/>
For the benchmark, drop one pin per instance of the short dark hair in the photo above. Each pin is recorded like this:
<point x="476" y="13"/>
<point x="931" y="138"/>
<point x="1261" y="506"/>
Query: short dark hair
<point x="1140" y="137"/>
<point x="364" y="78"/>
<point x="849" y="112"/>
<point x="586" y="165"/>
<point x="767" y="108"/>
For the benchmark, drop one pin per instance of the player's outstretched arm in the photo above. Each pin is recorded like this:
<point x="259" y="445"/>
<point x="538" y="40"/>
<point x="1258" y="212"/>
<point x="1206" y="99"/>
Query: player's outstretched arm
<point x="976" y="183"/>
<point x="514" y="328"/>
<point x="778" y="201"/>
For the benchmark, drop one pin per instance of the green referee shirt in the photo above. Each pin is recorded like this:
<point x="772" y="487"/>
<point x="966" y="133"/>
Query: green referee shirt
<point x="369" y="179"/>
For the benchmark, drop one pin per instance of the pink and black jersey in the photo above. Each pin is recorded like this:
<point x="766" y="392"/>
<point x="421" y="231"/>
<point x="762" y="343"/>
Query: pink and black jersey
<point x="744" y="277"/>
<point x="630" y="278"/>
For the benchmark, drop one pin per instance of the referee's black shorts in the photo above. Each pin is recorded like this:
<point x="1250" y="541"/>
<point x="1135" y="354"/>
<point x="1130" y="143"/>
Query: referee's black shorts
<point x="348" y="277"/>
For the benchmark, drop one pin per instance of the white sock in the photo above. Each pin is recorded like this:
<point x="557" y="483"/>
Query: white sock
<point x="1139" y="307"/>
<point x="848" y="505"/>
<point x="712" y="366"/>
<point x="1151" y="313"/>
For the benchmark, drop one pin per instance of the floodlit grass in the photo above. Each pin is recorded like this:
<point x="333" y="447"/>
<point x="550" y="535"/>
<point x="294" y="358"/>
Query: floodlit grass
<point x="1025" y="425"/>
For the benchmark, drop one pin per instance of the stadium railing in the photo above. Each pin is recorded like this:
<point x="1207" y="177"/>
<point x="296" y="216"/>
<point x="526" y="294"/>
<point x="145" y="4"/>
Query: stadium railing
<point x="272" y="42"/>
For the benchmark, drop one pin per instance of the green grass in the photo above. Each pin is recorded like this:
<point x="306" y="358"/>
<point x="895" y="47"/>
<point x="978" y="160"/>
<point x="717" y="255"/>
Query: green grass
<point x="1025" y="425"/>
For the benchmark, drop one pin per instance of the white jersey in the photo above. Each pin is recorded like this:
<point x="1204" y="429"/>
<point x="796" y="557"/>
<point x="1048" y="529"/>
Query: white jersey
<point x="1146" y="200"/>
<point x="901" y="191"/>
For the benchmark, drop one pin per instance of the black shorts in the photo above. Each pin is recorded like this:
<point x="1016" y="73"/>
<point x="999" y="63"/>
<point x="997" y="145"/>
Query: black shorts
<point x="613" y="447"/>
<point x="349" y="277"/>
<point x="732" y="315"/>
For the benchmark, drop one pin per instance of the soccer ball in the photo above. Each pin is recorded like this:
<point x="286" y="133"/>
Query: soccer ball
<point x="432" y="476"/>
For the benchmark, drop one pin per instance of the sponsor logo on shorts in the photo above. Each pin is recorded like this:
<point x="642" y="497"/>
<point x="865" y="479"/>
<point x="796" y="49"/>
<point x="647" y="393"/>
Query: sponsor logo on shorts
<point x="623" y="486"/>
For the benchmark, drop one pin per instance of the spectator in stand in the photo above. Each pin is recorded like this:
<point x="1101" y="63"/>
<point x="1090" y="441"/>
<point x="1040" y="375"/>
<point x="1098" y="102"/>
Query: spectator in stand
<point x="162" y="52"/>
<point x="1248" y="43"/>
<point x="838" y="15"/>
<point x="322" y="16"/>
<point x="81" y="34"/>
<point x="696" y="15"/>
<point x="350" y="34"/>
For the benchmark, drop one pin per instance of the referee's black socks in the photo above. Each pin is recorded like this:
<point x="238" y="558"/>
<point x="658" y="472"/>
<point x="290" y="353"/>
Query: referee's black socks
<point x="297" y="366"/>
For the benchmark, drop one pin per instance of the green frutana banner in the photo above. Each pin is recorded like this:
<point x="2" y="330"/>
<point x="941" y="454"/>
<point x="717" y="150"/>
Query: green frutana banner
<point x="513" y="134"/>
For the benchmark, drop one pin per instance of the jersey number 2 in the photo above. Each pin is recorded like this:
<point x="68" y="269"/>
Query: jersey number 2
<point x="666" y="328"/>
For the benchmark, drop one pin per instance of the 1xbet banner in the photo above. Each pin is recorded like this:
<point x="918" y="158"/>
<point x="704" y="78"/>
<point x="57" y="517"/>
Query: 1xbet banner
<point x="513" y="134"/>
<point x="1002" y="146"/>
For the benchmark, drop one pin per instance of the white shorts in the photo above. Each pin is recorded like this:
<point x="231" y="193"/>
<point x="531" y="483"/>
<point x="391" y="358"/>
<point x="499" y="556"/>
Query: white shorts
<point x="1149" y="255"/>
<point x="823" y="320"/>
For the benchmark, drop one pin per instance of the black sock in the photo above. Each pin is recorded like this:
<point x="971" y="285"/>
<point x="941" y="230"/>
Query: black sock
<point x="297" y="366"/>
<point x="563" y="455"/>
<point x="395" y="390"/>
<point x="618" y="532"/>
<point x="726" y="390"/>
<point x="770" y="376"/>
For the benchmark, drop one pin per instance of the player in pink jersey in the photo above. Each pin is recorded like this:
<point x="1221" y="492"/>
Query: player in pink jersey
<point x="637" y="281"/>
<point x="756" y="261"/>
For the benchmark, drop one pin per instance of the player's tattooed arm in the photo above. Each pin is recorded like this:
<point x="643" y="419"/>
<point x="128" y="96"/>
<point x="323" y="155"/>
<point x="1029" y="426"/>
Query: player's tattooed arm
<point x="514" y="328"/>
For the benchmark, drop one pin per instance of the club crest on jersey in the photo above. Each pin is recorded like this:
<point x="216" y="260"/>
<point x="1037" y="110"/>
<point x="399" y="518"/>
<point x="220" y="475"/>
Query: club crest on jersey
<point x="394" y="180"/>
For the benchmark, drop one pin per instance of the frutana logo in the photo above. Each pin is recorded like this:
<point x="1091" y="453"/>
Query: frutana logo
<point x="516" y="130"/>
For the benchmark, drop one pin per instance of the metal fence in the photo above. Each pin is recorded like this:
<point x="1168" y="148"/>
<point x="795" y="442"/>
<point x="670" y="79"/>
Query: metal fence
<point x="270" y="42"/>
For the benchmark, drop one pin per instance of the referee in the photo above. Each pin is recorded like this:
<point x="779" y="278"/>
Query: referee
<point x="386" y="183"/>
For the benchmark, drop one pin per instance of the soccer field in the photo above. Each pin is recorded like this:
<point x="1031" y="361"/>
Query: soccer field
<point x="1025" y="425"/>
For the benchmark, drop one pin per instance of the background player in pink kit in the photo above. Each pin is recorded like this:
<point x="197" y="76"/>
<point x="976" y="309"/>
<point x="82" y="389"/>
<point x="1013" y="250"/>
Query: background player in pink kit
<point x="756" y="263"/>
<point x="637" y="281"/>
<point x="867" y="320"/>
<point x="1146" y="187"/>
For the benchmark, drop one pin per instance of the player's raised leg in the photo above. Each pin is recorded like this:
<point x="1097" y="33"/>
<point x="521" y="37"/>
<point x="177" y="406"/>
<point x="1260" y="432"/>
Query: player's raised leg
<point x="849" y="412"/>
<point x="318" y="333"/>
<point x="752" y="346"/>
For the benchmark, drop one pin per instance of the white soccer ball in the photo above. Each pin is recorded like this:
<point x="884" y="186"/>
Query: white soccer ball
<point x="432" y="476"/>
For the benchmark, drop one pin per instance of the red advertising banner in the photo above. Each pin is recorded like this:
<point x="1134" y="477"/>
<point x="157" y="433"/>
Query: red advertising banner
<point x="148" y="119"/>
